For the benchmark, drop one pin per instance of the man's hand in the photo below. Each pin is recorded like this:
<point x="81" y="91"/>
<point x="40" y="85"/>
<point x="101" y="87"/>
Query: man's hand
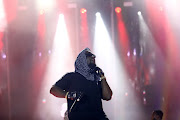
<point x="99" y="72"/>
<point x="106" y="90"/>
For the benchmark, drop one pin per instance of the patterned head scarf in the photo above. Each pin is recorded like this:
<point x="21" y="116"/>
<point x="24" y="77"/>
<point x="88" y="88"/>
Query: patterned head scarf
<point x="82" y="67"/>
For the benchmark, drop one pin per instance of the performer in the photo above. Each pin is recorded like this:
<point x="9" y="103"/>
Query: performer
<point x="84" y="89"/>
<point x="157" y="115"/>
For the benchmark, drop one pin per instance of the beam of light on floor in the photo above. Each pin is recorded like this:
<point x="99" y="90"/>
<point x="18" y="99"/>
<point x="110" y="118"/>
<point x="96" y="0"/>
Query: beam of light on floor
<point x="107" y="58"/>
<point x="60" y="62"/>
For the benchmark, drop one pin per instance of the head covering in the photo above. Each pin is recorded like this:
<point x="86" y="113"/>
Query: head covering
<point x="82" y="67"/>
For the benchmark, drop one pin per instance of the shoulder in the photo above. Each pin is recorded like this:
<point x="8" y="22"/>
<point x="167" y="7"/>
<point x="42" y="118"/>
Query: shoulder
<point x="67" y="75"/>
<point x="66" y="78"/>
<point x="71" y="74"/>
<point x="74" y="75"/>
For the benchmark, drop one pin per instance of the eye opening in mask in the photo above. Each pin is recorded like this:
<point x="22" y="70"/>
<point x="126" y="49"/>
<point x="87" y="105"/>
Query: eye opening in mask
<point x="89" y="54"/>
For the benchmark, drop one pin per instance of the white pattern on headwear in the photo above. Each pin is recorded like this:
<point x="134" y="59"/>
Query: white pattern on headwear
<point x="82" y="67"/>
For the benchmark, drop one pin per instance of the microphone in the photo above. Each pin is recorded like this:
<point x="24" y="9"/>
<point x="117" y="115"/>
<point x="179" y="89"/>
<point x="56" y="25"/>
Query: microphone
<point x="98" y="71"/>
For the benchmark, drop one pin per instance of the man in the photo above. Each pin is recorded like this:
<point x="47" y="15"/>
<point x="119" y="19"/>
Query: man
<point x="157" y="115"/>
<point x="84" y="89"/>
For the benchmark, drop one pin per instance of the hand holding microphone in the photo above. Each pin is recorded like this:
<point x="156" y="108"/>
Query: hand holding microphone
<point x="99" y="72"/>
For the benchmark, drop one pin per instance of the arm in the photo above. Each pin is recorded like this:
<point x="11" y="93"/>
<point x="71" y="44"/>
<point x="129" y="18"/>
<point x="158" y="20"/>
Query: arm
<point x="58" y="92"/>
<point x="106" y="90"/>
<point x="59" y="89"/>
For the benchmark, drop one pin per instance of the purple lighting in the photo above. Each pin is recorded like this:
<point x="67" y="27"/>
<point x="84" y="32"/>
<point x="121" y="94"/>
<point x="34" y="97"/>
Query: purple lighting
<point x="49" y="51"/>
<point x="3" y="56"/>
<point x="44" y="101"/>
<point x="126" y="94"/>
<point x="144" y="100"/>
<point x="144" y="92"/>
<point x="134" y="52"/>
<point x="40" y="54"/>
<point x="128" y="54"/>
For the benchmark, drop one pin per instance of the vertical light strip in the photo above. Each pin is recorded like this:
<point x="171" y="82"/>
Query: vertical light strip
<point x="60" y="62"/>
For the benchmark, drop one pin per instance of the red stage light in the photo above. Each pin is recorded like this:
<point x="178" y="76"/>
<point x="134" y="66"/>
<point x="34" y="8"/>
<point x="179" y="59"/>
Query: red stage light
<point x="41" y="12"/>
<point x="117" y="9"/>
<point x="83" y="10"/>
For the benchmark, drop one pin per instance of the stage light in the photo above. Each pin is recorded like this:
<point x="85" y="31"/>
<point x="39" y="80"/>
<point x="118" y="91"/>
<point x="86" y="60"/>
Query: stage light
<point x="144" y="100"/>
<point x="128" y="54"/>
<point x="139" y="12"/>
<point x="144" y="92"/>
<point x="83" y="10"/>
<point x="134" y="52"/>
<point x="115" y="71"/>
<point x="40" y="54"/>
<point x="61" y="16"/>
<point x="4" y="56"/>
<point x="117" y="9"/>
<point x="161" y="8"/>
<point x="49" y="51"/>
<point x="41" y="12"/>
<point x="45" y="4"/>
<point x="98" y="14"/>
<point x="44" y="101"/>
<point x="3" y="21"/>
<point x="61" y="48"/>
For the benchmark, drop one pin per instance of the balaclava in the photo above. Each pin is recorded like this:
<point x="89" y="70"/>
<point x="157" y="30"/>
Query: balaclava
<point x="82" y="67"/>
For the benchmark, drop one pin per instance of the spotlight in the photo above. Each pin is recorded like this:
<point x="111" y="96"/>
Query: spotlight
<point x="40" y="54"/>
<point x="4" y="56"/>
<point x="41" y="12"/>
<point x="61" y="15"/>
<point x="117" y="9"/>
<point x="98" y="14"/>
<point x="134" y="52"/>
<point x="49" y="51"/>
<point x="128" y="54"/>
<point x="83" y="10"/>
<point x="139" y="12"/>
<point x="45" y="4"/>
<point x="44" y="101"/>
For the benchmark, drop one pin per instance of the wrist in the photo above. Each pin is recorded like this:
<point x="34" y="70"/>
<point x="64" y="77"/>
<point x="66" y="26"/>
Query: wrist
<point x="102" y="77"/>
<point x="66" y="95"/>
